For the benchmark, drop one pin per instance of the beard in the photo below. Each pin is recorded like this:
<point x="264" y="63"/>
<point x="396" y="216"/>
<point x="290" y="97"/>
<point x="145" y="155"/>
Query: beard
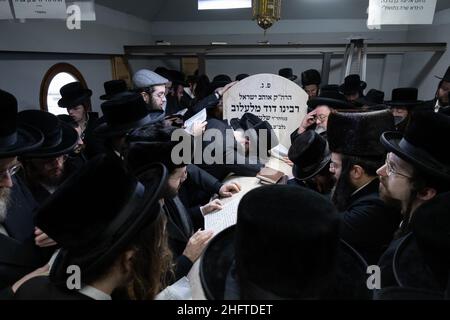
<point x="342" y="191"/>
<point x="4" y="199"/>
<point x="386" y="196"/>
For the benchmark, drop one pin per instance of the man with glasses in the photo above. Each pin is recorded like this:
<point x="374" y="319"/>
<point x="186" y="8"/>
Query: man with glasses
<point x="17" y="258"/>
<point x="368" y="223"/>
<point x="152" y="87"/>
<point x="417" y="166"/>
<point x="319" y="109"/>
<point x="416" y="171"/>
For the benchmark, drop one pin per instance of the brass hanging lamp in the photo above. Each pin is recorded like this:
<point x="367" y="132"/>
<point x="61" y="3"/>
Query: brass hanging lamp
<point x="266" y="12"/>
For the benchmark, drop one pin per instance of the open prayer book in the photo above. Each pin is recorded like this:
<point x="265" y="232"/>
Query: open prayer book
<point x="196" y="118"/>
<point x="279" y="151"/>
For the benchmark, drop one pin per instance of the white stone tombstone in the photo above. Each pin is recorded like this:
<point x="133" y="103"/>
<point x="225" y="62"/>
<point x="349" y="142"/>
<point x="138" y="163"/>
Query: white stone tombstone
<point x="272" y="98"/>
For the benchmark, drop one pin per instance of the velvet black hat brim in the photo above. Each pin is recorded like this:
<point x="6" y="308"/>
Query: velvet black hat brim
<point x="394" y="142"/>
<point x="28" y="139"/>
<point x="332" y="103"/>
<point x="220" y="253"/>
<point x="92" y="250"/>
<point x="71" y="103"/>
<point x="68" y="142"/>
<point x="302" y="174"/>
<point x="106" y="130"/>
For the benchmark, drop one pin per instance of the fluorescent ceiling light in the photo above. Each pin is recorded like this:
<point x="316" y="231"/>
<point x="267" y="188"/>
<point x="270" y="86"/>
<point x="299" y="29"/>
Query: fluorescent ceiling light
<point x="223" y="4"/>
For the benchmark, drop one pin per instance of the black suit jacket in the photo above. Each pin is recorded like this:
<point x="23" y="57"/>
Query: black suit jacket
<point x="18" y="259"/>
<point x="41" y="288"/>
<point x="368" y="224"/>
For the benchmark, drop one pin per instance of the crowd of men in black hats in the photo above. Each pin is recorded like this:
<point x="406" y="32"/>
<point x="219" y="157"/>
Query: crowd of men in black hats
<point x="103" y="197"/>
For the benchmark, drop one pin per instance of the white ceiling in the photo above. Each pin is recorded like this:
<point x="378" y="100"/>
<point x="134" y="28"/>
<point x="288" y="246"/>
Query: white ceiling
<point x="186" y="10"/>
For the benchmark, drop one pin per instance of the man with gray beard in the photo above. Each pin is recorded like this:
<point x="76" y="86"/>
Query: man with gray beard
<point x="16" y="258"/>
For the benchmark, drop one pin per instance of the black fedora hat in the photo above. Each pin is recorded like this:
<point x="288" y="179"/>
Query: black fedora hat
<point x="15" y="138"/>
<point x="446" y="76"/>
<point x="115" y="207"/>
<point x="352" y="83"/>
<point x="372" y="98"/>
<point x="330" y="98"/>
<point x="219" y="81"/>
<point x="310" y="154"/>
<point x="422" y="259"/>
<point x="73" y="94"/>
<point x="59" y="137"/>
<point x="358" y="133"/>
<point x="311" y="76"/>
<point x="404" y="97"/>
<point x="242" y="76"/>
<point x="260" y="246"/>
<point x="287" y="73"/>
<point x="423" y="144"/>
<point x="112" y="88"/>
<point x="123" y="113"/>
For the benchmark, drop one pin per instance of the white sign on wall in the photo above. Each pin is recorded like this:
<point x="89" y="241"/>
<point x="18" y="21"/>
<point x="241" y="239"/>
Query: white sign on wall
<point x="272" y="98"/>
<point x="400" y="12"/>
<point x="5" y="10"/>
<point x="40" y="9"/>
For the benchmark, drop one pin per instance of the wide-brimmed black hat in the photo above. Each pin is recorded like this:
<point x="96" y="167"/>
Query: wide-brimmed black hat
<point x="446" y="76"/>
<point x="252" y="124"/>
<point x="59" y="137"/>
<point x="330" y="98"/>
<point x="287" y="73"/>
<point x="310" y="154"/>
<point x="261" y="245"/>
<point x="15" y="138"/>
<point x="125" y="112"/>
<point x="242" y="76"/>
<point x="219" y="81"/>
<point x="424" y="143"/>
<point x="311" y="76"/>
<point x="352" y="83"/>
<point x="358" y="133"/>
<point x="372" y="98"/>
<point x="73" y="94"/>
<point x="114" y="209"/>
<point x="422" y="259"/>
<point x="112" y="88"/>
<point x="404" y="97"/>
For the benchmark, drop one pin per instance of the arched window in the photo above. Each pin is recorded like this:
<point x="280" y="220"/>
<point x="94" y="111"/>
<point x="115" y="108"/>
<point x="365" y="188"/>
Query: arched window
<point x="57" y="76"/>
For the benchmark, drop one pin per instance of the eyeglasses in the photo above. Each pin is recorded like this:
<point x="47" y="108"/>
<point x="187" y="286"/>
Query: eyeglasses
<point x="159" y="95"/>
<point x="390" y="171"/>
<point x="11" y="171"/>
<point x="320" y="117"/>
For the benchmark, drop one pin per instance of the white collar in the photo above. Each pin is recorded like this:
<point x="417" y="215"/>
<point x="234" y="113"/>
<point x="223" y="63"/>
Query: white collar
<point x="94" y="293"/>
<point x="437" y="106"/>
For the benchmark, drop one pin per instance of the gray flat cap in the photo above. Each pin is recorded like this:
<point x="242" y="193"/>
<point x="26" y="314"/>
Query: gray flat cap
<point x="146" y="78"/>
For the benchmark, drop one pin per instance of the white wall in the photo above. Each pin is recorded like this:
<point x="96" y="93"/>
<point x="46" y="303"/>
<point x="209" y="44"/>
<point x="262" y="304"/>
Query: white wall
<point x="22" y="75"/>
<point x="419" y="70"/>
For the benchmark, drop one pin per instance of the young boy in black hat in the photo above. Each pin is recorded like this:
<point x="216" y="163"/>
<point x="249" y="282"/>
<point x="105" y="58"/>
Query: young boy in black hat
<point x="353" y="87"/>
<point x="368" y="224"/>
<point x="112" y="240"/>
<point x="311" y="82"/>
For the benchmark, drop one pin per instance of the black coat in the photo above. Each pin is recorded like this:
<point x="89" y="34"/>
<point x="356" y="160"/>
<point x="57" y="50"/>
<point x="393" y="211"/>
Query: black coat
<point x="180" y="229"/>
<point x="17" y="259"/>
<point x="197" y="190"/>
<point x="240" y="165"/>
<point x="40" y="288"/>
<point x="368" y="224"/>
<point x="22" y="206"/>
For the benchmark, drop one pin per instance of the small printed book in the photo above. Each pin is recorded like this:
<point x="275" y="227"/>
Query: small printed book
<point x="269" y="176"/>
